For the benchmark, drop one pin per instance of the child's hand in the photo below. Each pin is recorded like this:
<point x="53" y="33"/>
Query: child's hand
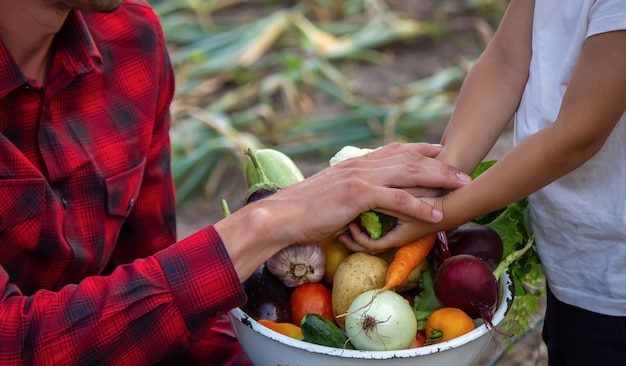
<point x="407" y="229"/>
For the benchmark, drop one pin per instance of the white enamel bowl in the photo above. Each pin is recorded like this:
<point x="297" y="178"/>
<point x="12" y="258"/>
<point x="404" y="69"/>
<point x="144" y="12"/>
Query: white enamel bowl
<point x="265" y="347"/>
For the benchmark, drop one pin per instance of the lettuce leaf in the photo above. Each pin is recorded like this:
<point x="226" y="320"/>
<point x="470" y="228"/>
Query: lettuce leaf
<point x="426" y="301"/>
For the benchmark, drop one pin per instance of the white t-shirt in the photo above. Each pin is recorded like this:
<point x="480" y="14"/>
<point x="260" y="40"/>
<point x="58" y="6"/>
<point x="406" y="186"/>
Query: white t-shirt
<point x="579" y="221"/>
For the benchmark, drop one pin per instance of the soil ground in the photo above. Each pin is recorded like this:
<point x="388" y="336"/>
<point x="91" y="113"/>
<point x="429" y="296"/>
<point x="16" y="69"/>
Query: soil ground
<point x="411" y="60"/>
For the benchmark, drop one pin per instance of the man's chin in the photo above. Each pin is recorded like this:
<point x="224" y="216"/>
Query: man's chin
<point x="100" y="6"/>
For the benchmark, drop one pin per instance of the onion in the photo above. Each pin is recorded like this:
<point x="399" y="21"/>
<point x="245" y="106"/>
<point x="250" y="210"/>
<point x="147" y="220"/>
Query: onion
<point x="380" y="321"/>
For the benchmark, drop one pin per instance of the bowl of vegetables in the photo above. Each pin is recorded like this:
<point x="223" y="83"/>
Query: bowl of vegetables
<point x="265" y="346"/>
<point x="445" y="310"/>
<point x="438" y="300"/>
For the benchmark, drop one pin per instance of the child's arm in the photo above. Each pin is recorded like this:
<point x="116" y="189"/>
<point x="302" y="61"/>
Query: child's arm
<point x="491" y="91"/>
<point x="593" y="103"/>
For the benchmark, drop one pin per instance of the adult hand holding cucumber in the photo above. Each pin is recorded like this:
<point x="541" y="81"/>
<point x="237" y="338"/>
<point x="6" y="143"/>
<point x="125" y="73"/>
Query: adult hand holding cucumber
<point x="318" y="206"/>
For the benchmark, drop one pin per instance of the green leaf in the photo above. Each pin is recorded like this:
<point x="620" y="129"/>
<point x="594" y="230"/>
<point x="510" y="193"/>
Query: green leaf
<point x="480" y="169"/>
<point x="426" y="301"/>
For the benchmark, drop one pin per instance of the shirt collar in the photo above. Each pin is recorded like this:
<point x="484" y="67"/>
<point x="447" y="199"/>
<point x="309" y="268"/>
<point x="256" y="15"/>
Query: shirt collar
<point x="76" y="51"/>
<point x="11" y="76"/>
<point x="76" y="46"/>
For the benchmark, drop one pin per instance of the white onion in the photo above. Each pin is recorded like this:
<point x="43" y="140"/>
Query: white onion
<point x="386" y="323"/>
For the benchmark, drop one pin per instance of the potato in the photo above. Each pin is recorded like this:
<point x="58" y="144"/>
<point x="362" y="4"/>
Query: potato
<point x="413" y="281"/>
<point x="358" y="273"/>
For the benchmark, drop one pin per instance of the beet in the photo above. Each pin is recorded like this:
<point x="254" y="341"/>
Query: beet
<point x="472" y="238"/>
<point x="466" y="282"/>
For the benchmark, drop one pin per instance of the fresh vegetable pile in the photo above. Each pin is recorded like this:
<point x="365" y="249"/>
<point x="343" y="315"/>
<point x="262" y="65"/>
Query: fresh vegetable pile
<point x="429" y="291"/>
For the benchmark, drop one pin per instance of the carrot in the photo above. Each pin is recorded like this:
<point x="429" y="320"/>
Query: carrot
<point x="406" y="259"/>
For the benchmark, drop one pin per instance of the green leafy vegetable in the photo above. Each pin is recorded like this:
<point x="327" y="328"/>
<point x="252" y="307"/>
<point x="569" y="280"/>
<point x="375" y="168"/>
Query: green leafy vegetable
<point x="480" y="169"/>
<point x="426" y="301"/>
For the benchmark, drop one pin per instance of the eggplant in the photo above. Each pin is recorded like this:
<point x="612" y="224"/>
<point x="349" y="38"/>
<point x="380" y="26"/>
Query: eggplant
<point x="258" y="195"/>
<point x="268" y="298"/>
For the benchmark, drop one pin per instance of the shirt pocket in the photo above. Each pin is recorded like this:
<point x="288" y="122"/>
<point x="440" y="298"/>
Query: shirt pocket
<point x="21" y="202"/>
<point x="122" y="190"/>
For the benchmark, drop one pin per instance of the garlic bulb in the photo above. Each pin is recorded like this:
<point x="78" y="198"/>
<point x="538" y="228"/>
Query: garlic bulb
<point x="298" y="264"/>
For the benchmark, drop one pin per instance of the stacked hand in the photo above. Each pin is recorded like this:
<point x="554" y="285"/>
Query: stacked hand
<point x="322" y="204"/>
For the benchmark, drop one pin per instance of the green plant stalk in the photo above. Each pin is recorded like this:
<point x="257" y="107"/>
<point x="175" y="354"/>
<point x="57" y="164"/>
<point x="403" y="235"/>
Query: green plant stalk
<point x="225" y="208"/>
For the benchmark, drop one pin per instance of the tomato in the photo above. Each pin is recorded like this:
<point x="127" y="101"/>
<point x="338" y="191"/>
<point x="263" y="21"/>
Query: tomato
<point x="447" y="323"/>
<point x="311" y="298"/>
<point x="420" y="340"/>
<point x="335" y="252"/>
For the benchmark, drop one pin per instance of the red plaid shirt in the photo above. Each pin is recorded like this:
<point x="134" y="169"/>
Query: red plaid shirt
<point x="86" y="190"/>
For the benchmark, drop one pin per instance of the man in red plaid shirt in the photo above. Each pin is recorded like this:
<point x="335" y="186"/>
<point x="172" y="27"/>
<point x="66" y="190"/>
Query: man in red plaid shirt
<point x="90" y="270"/>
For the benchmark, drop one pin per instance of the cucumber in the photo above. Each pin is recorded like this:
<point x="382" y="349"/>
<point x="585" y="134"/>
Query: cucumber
<point x="377" y="224"/>
<point x="319" y="330"/>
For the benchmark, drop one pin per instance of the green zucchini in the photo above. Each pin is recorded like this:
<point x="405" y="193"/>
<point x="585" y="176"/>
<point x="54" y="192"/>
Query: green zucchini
<point x="319" y="330"/>
<point x="377" y="224"/>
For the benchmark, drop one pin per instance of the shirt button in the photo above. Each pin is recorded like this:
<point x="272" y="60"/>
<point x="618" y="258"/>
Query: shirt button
<point x="64" y="202"/>
<point x="131" y="203"/>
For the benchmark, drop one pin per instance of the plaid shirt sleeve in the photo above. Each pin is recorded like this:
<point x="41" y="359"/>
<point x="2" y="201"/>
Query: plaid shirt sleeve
<point x="140" y="313"/>
<point x="90" y="272"/>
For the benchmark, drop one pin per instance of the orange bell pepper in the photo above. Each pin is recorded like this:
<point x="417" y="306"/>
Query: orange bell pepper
<point x="287" y="329"/>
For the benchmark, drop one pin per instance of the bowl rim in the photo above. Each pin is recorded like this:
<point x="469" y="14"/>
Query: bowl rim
<point x="504" y="304"/>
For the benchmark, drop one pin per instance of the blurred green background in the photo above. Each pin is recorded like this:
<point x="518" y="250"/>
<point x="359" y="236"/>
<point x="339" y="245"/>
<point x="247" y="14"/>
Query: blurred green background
<point x="308" y="77"/>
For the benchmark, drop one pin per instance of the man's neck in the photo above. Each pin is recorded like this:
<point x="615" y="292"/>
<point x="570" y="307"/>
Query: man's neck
<point x="27" y="29"/>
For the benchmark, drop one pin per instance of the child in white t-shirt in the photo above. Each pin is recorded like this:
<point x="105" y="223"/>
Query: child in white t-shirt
<point x="559" y="67"/>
